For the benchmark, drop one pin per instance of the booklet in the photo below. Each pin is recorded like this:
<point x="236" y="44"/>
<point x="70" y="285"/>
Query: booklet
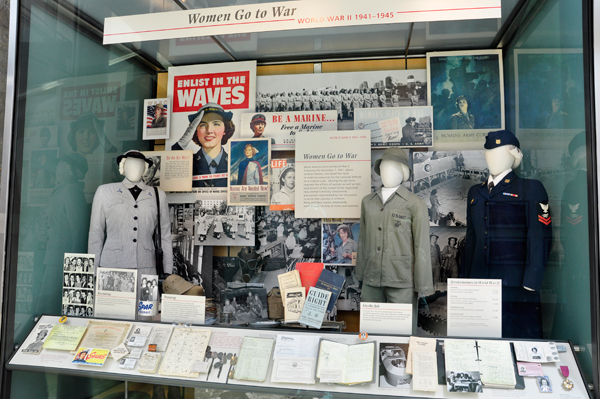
<point x="289" y="280"/>
<point x="254" y="359"/>
<point x="346" y="364"/>
<point x="293" y="303"/>
<point x="314" y="308"/>
<point x="91" y="357"/>
<point x="309" y="273"/>
<point x="149" y="362"/>
<point x="332" y="282"/>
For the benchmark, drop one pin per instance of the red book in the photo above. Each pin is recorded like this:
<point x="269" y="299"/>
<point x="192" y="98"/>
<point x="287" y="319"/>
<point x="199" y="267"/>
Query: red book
<point x="309" y="273"/>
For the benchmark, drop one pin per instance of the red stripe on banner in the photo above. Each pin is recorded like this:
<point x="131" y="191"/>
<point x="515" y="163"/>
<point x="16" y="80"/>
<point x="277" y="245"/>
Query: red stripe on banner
<point x="448" y="9"/>
<point x="198" y="27"/>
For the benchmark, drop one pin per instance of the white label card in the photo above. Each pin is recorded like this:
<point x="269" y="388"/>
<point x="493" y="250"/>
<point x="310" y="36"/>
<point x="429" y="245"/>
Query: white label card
<point x="183" y="309"/>
<point x="386" y="318"/>
<point x="474" y="308"/>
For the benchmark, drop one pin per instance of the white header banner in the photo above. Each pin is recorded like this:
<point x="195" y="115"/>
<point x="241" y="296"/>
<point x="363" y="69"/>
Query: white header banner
<point x="290" y="15"/>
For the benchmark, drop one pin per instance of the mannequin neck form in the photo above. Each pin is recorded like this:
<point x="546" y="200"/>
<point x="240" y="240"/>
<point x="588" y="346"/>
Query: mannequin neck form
<point x="134" y="169"/>
<point x="499" y="160"/>
<point x="392" y="175"/>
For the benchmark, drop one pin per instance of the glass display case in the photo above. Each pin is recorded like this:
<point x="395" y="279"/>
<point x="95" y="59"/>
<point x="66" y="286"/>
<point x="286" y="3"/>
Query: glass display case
<point x="76" y="105"/>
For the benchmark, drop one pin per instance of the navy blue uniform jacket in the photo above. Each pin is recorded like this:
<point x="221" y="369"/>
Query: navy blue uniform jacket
<point x="509" y="232"/>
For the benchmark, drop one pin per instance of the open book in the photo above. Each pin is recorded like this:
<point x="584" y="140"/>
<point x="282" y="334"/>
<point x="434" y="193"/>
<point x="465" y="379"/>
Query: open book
<point x="346" y="364"/>
<point x="472" y="365"/>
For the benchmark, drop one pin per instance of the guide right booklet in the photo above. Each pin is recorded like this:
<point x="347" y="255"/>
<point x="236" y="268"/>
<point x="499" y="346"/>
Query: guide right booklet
<point x="346" y="364"/>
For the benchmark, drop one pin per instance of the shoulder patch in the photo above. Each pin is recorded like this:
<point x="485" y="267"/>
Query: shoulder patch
<point x="544" y="213"/>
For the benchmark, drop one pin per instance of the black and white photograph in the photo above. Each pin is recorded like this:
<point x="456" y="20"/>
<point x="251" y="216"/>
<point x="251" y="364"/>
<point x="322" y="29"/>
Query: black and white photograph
<point x="182" y="219"/>
<point x="284" y="240"/>
<point x="447" y="248"/>
<point x="392" y="366"/>
<point x="443" y="180"/>
<point x="349" y="298"/>
<point x="149" y="288"/>
<point x="116" y="281"/>
<point x="283" y="185"/>
<point x="463" y="381"/>
<point x="220" y="225"/>
<point x="467" y="94"/>
<point x="152" y="175"/>
<point x="544" y="385"/>
<point x="397" y="127"/>
<point x="341" y="91"/>
<point x="340" y="241"/>
<point x="42" y="332"/>
<point x="78" y="284"/>
<point x="127" y="120"/>
<point x="156" y="118"/>
<point x="246" y="304"/>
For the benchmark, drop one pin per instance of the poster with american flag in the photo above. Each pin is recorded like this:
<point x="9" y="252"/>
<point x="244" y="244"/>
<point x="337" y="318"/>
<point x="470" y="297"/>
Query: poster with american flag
<point x="157" y="123"/>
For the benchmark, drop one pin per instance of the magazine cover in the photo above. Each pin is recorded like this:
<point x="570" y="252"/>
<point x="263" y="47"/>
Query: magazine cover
<point x="283" y="185"/>
<point x="156" y="118"/>
<point x="208" y="101"/>
<point x="91" y="357"/>
<point x="249" y="172"/>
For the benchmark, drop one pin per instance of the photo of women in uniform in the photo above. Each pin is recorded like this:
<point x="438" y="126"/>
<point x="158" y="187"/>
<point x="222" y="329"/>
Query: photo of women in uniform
<point x="339" y="243"/>
<point x="210" y="128"/>
<point x="219" y="224"/>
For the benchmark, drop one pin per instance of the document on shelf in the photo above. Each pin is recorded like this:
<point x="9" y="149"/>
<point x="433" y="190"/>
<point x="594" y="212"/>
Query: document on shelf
<point x="296" y="370"/>
<point x="254" y="359"/>
<point x="424" y="371"/>
<point x="64" y="337"/>
<point x="186" y="347"/>
<point x="291" y="345"/>
<point x="346" y="364"/>
<point x="105" y="334"/>
<point x="496" y="364"/>
<point x="418" y="344"/>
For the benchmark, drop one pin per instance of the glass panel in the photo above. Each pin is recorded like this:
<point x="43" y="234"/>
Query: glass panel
<point x="82" y="108"/>
<point x="545" y="108"/>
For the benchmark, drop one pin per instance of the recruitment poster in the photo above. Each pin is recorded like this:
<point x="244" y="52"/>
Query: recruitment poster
<point x="334" y="176"/>
<point x="466" y="90"/>
<point x="249" y="172"/>
<point x="397" y="126"/>
<point x="207" y="104"/>
<point x="283" y="127"/>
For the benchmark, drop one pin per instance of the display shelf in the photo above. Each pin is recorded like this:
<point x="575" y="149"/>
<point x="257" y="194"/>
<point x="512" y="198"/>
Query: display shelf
<point x="59" y="362"/>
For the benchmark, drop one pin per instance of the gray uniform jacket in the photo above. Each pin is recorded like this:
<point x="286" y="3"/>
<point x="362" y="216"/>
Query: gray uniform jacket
<point x="393" y="244"/>
<point x="121" y="227"/>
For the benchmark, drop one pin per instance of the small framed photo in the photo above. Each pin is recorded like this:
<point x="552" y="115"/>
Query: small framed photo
<point x="544" y="384"/>
<point x="157" y="122"/>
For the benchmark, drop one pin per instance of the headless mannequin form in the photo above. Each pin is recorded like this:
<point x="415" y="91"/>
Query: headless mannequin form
<point x="402" y="211"/>
<point x="392" y="175"/>
<point x="133" y="170"/>
<point x="509" y="237"/>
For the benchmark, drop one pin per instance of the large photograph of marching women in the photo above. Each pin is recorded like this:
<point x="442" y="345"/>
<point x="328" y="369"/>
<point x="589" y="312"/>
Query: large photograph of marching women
<point x="221" y="225"/>
<point x="343" y="92"/>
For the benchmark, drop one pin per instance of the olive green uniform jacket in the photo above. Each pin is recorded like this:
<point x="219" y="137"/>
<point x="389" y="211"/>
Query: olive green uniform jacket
<point x="393" y="244"/>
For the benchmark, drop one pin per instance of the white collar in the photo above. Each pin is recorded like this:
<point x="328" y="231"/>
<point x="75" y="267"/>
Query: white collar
<point x="499" y="178"/>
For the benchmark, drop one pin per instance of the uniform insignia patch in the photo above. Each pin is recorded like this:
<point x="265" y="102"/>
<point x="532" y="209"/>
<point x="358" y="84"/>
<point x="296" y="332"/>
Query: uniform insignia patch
<point x="511" y="194"/>
<point x="507" y="181"/>
<point x="472" y="200"/>
<point x="544" y="213"/>
<point x="574" y="218"/>
<point x="498" y="141"/>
